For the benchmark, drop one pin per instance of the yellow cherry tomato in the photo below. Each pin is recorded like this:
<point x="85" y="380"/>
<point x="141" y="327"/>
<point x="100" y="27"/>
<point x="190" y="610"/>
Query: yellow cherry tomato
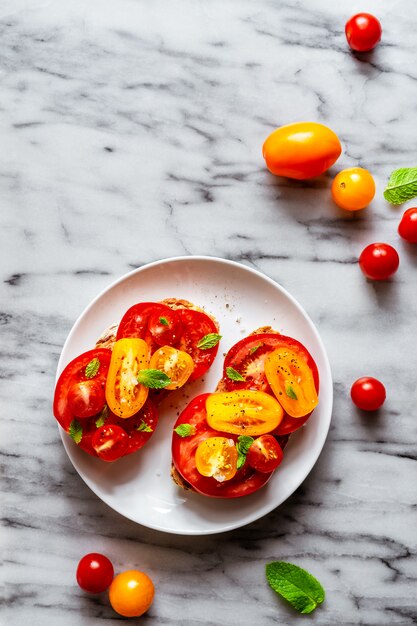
<point x="353" y="189"/>
<point x="217" y="457"/>
<point x="292" y="382"/>
<point x="176" y="364"/>
<point x="131" y="593"/>
<point x="244" y="412"/>
<point x="124" y="395"/>
<point x="301" y="150"/>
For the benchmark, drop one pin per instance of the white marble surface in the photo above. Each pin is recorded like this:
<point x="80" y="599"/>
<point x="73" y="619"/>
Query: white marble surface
<point x="132" y="131"/>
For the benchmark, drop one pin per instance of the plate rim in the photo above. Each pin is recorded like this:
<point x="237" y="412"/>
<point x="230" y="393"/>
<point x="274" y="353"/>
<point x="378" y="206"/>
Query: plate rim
<point x="226" y="527"/>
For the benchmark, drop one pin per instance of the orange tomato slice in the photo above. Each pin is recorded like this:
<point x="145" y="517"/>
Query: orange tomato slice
<point x="176" y="364"/>
<point x="244" y="412"/>
<point x="217" y="457"/>
<point x="124" y="395"/>
<point x="291" y="380"/>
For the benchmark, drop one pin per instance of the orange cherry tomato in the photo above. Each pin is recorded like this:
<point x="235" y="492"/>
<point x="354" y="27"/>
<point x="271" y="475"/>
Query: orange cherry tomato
<point x="353" y="189"/>
<point x="292" y="382"/>
<point x="301" y="150"/>
<point x="124" y="395"/>
<point x="217" y="457"/>
<point x="244" y="412"/>
<point x="176" y="364"/>
<point x="131" y="593"/>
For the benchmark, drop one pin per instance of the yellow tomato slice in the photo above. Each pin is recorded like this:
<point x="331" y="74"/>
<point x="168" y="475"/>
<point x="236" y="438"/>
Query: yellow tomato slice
<point x="291" y="380"/>
<point x="124" y="395"/>
<point x="176" y="364"/>
<point x="244" y="412"/>
<point x="217" y="457"/>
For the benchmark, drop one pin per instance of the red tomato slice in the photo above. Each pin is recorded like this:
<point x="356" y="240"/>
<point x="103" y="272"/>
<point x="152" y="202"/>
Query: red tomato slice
<point x="156" y="323"/>
<point x="248" y="358"/>
<point x="197" y="325"/>
<point x="246" y="481"/>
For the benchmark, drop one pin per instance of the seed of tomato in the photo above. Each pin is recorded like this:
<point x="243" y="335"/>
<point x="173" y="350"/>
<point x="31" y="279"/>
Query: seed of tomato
<point x="363" y="32"/>
<point x="353" y="189"/>
<point x="368" y="393"/>
<point x="379" y="261"/>
<point x="94" y="573"/>
<point x="407" y="228"/>
<point x="131" y="593"/>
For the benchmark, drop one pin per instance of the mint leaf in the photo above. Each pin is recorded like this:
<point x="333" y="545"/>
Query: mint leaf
<point x="164" y="321"/>
<point x="209" y="341"/>
<point x="102" y="417"/>
<point x="234" y="374"/>
<point x="290" y="392"/>
<point x="254" y="348"/>
<point x="296" y="585"/>
<point x="91" y="368"/>
<point x="402" y="185"/>
<point x="154" y="379"/>
<point x="75" y="431"/>
<point x="144" y="428"/>
<point x="185" y="430"/>
<point x="243" y="444"/>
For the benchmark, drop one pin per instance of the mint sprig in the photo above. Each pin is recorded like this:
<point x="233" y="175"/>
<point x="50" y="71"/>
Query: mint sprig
<point x="402" y="185"/>
<point x="92" y="368"/>
<point x="234" y="374"/>
<point x="243" y="444"/>
<point x="75" y="431"/>
<point x="102" y="417"/>
<point x="209" y="341"/>
<point x="154" y="379"/>
<point x="296" y="585"/>
<point x="163" y="321"/>
<point x="144" y="427"/>
<point x="290" y="392"/>
<point x="185" y="430"/>
<point x="255" y="348"/>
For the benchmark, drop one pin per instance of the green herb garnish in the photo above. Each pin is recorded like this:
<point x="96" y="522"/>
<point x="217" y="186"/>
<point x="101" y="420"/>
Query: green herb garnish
<point x="402" y="185"/>
<point x="234" y="374"/>
<point x="290" y="392"/>
<point x="144" y="427"/>
<point x="75" y="431"/>
<point x="296" y="585"/>
<point x="164" y="321"/>
<point x="209" y="341"/>
<point x="102" y="417"/>
<point x="91" y="368"/>
<point x="185" y="430"/>
<point x="154" y="379"/>
<point x="254" y="348"/>
<point x="243" y="444"/>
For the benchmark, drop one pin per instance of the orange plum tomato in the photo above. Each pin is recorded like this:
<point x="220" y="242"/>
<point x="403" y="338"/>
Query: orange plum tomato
<point x="301" y="150"/>
<point x="124" y="395"/>
<point x="131" y="593"/>
<point x="353" y="189"/>
<point x="363" y="32"/>
<point x="368" y="393"/>
<point x="407" y="228"/>
<point x="379" y="261"/>
<point x="94" y="573"/>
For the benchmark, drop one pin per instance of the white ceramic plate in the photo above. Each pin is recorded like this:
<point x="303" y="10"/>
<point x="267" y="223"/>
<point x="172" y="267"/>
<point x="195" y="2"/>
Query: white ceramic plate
<point x="139" y="486"/>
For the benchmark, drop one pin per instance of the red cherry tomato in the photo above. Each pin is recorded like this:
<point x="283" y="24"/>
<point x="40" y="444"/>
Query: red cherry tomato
<point x="379" y="261"/>
<point x="265" y="454"/>
<point x="368" y="393"/>
<point x="94" y="573"/>
<point x="407" y="228"/>
<point x="86" y="398"/>
<point x="363" y="32"/>
<point x="165" y="328"/>
<point x="110" y="442"/>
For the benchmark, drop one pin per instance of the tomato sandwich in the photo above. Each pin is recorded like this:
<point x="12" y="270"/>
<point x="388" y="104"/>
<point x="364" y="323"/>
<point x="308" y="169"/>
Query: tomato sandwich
<point x="228" y="443"/>
<point x="106" y="399"/>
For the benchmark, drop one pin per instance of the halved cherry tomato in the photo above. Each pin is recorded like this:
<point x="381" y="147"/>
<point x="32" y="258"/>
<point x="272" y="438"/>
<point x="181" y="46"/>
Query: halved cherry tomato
<point x="154" y="322"/>
<point x="265" y="454"/>
<point x="197" y="325"/>
<point x="124" y="395"/>
<point x="292" y="382"/>
<point x="74" y="374"/>
<point x="301" y="150"/>
<point x="244" y="412"/>
<point x="217" y="457"/>
<point x="246" y="481"/>
<point x="176" y="364"/>
<point x="86" y="398"/>
<point x="110" y="442"/>
<point x="166" y="329"/>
